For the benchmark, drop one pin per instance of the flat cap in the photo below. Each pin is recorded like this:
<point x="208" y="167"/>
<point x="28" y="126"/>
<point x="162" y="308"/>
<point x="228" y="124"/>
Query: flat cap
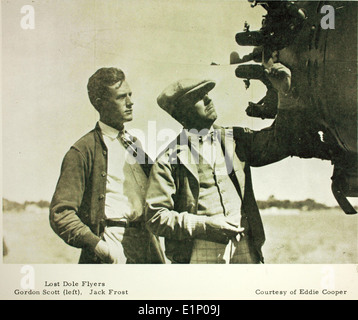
<point x="184" y="90"/>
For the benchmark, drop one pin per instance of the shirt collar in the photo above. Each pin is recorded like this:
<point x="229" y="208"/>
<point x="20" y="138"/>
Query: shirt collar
<point x="197" y="136"/>
<point x="108" y="131"/>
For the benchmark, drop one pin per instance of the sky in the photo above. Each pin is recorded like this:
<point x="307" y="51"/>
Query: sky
<point x="45" y="107"/>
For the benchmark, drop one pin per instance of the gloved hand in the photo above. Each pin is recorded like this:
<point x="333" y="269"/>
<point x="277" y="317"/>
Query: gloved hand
<point x="221" y="227"/>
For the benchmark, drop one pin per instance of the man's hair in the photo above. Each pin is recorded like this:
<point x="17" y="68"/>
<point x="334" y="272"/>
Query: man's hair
<point x="100" y="80"/>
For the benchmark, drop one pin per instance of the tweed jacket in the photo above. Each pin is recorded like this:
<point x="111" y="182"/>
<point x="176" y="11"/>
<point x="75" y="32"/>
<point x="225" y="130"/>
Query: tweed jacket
<point x="173" y="191"/>
<point x="77" y="209"/>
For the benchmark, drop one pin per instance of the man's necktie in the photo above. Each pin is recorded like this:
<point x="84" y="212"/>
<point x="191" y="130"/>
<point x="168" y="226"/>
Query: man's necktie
<point x="211" y="135"/>
<point x="128" y="144"/>
<point x="208" y="154"/>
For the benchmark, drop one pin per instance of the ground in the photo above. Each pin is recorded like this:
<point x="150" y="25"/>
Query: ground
<point x="307" y="237"/>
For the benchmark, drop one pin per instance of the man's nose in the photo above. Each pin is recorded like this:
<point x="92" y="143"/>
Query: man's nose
<point x="129" y="101"/>
<point x="207" y="100"/>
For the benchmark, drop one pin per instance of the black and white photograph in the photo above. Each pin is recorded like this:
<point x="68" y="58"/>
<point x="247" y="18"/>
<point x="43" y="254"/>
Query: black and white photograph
<point x="189" y="149"/>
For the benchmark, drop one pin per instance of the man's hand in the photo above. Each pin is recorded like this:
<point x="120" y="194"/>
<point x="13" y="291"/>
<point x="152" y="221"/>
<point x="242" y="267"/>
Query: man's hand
<point x="102" y="251"/>
<point x="279" y="75"/>
<point x="223" y="225"/>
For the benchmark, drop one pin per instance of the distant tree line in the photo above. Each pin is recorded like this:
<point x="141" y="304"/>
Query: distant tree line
<point x="307" y="204"/>
<point x="8" y="205"/>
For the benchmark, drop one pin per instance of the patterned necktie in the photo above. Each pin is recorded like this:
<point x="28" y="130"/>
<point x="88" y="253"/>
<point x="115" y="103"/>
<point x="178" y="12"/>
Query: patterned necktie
<point x="135" y="149"/>
<point x="128" y="144"/>
<point x="209" y="151"/>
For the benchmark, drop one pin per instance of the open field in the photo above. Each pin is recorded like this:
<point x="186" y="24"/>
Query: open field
<point x="30" y="239"/>
<point x="315" y="237"/>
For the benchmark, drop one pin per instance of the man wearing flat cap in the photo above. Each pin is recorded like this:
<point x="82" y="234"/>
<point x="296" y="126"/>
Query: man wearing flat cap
<point x="200" y="195"/>
<point x="98" y="203"/>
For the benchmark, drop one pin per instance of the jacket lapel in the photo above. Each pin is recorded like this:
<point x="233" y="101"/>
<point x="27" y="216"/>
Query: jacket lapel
<point x="233" y="164"/>
<point x="187" y="155"/>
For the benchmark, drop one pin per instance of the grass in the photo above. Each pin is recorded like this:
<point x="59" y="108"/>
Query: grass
<point x="30" y="239"/>
<point x="312" y="237"/>
<point x="316" y="237"/>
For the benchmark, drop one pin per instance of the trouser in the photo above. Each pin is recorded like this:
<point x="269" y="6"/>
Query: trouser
<point x="237" y="251"/>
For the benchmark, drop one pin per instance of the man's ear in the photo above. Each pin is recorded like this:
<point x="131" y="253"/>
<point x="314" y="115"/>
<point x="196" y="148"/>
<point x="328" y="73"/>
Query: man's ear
<point x="98" y="103"/>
